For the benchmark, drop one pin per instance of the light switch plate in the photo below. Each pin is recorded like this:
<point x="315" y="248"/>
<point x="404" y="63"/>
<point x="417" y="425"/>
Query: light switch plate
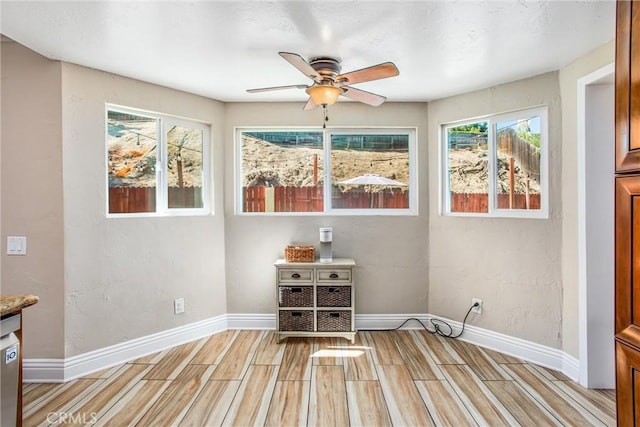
<point x="16" y="245"/>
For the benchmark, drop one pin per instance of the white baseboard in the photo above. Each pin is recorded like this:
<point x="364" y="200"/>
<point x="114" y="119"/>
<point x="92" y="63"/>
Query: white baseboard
<point x="516" y="347"/>
<point x="62" y="370"/>
<point x="43" y="370"/>
<point x="251" y="321"/>
<point x="389" y="321"/>
<point x="542" y="355"/>
<point x="571" y="367"/>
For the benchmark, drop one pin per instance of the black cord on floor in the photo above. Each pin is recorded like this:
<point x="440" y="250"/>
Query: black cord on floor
<point x="437" y="328"/>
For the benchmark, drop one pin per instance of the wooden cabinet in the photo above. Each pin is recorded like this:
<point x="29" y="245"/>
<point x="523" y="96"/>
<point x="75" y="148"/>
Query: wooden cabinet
<point x="627" y="271"/>
<point x="627" y="384"/>
<point x="315" y="299"/>
<point x="628" y="86"/>
<point x="627" y="213"/>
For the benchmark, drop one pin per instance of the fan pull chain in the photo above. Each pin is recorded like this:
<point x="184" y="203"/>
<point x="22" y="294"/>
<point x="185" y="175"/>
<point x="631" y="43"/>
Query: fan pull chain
<point x="326" y="118"/>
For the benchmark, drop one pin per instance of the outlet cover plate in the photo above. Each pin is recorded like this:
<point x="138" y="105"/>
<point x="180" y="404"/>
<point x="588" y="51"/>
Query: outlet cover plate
<point x="477" y="310"/>
<point x="178" y="306"/>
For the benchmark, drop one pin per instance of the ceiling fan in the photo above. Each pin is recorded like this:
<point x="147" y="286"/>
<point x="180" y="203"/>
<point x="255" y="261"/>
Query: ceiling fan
<point x="328" y="83"/>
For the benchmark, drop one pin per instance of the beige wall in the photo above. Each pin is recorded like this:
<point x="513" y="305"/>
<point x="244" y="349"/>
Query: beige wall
<point x="513" y="265"/>
<point x="122" y="274"/>
<point x="32" y="193"/>
<point x="100" y="281"/>
<point x="569" y="76"/>
<point x="391" y="252"/>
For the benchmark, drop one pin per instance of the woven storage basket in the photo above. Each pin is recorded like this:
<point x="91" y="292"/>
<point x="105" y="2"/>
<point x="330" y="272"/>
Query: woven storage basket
<point x="290" y="320"/>
<point x="295" y="296"/>
<point x="334" y="296"/>
<point x="334" y="321"/>
<point x="300" y="253"/>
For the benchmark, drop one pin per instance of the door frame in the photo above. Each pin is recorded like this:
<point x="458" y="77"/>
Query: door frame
<point x="596" y="326"/>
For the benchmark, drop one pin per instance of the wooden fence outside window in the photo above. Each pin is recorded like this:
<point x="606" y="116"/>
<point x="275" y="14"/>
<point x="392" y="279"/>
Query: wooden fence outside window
<point x="310" y="199"/>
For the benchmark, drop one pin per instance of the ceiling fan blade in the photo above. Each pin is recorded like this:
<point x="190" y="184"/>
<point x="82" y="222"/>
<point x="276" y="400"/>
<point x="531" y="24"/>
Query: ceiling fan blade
<point x="301" y="64"/>
<point x="375" y="72"/>
<point x="267" y="89"/>
<point x="363" y="96"/>
<point x="310" y="105"/>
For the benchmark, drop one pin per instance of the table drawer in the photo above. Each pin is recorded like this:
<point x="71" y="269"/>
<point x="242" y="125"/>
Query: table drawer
<point x="334" y="321"/>
<point x="295" y="275"/>
<point x="295" y="320"/>
<point x="333" y="296"/>
<point x="295" y="296"/>
<point x="333" y="275"/>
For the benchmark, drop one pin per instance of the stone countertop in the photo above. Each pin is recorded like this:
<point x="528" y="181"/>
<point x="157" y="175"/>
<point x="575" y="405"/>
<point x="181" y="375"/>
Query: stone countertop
<point x="14" y="303"/>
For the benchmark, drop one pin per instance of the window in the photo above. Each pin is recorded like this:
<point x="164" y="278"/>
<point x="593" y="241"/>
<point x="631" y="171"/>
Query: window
<point x="331" y="171"/>
<point x="496" y="166"/>
<point x="156" y="164"/>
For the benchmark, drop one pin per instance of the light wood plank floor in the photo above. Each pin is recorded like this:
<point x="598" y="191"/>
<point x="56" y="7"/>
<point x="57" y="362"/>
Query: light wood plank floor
<point x="245" y="378"/>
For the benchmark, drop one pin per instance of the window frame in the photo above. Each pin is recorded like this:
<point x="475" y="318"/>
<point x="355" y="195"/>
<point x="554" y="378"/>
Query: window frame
<point x="328" y="210"/>
<point x="493" y="210"/>
<point x="162" y="190"/>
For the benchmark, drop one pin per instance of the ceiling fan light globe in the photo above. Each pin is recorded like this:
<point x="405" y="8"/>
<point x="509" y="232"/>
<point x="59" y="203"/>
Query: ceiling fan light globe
<point x="324" y="94"/>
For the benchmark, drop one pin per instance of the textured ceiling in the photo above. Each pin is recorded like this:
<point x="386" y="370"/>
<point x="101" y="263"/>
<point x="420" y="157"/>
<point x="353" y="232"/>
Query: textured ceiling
<point x="219" y="49"/>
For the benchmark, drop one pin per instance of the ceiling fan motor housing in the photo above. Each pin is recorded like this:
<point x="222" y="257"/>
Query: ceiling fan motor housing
<point x="329" y="68"/>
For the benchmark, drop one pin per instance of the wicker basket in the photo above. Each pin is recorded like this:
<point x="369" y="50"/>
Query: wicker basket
<point x="300" y="253"/>
<point x="334" y="296"/>
<point x="295" y="296"/>
<point x="295" y="320"/>
<point x="334" y="321"/>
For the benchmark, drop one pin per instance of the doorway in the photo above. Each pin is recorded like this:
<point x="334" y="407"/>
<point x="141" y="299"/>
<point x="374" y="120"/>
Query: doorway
<point x="596" y="130"/>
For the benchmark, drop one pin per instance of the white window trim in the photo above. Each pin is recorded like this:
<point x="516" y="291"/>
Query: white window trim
<point x="494" y="212"/>
<point x="162" y="200"/>
<point x="327" y="209"/>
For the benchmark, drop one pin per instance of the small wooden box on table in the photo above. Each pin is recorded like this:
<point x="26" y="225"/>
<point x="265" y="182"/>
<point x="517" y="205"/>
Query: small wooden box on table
<point x="315" y="299"/>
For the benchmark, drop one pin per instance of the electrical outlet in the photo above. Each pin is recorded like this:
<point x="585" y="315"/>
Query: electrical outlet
<point x="178" y="306"/>
<point x="478" y="309"/>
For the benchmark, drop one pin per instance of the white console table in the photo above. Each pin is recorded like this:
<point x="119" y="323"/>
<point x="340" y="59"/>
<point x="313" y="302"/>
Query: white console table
<point x="315" y="299"/>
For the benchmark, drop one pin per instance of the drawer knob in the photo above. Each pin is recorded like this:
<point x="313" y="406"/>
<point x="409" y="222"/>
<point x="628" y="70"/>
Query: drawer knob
<point x="333" y="276"/>
<point x="295" y="275"/>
